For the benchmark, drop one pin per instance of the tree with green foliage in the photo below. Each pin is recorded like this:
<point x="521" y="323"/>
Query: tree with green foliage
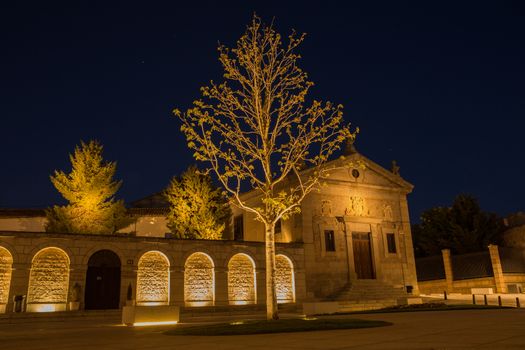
<point x="462" y="228"/>
<point x="198" y="210"/>
<point x="255" y="130"/>
<point x="90" y="190"/>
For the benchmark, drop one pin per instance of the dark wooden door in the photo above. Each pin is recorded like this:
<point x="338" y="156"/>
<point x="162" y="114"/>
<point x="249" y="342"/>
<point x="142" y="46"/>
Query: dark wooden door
<point x="103" y="281"/>
<point x="363" y="255"/>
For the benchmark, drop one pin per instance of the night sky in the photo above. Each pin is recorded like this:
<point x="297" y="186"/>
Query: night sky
<point x="438" y="88"/>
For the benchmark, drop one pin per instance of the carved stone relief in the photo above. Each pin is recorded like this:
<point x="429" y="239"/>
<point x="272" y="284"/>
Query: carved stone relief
<point x="387" y="212"/>
<point x="326" y="208"/>
<point x="357" y="207"/>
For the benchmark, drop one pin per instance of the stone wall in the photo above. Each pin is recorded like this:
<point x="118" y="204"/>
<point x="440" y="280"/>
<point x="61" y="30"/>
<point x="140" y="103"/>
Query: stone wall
<point x="25" y="224"/>
<point x="496" y="275"/>
<point x="24" y="246"/>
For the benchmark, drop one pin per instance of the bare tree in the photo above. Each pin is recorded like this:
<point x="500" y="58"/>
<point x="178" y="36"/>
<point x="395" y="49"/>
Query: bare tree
<point x="254" y="129"/>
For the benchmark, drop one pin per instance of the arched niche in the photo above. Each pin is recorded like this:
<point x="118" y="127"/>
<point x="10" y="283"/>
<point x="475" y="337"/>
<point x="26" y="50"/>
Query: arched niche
<point x="241" y="280"/>
<point x="48" y="281"/>
<point x="199" y="280"/>
<point x="153" y="279"/>
<point x="284" y="279"/>
<point x="6" y="264"/>
<point x="103" y="281"/>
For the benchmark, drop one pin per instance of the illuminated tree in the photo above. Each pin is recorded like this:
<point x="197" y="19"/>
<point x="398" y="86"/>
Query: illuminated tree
<point x="90" y="189"/>
<point x="254" y="129"/>
<point x="198" y="210"/>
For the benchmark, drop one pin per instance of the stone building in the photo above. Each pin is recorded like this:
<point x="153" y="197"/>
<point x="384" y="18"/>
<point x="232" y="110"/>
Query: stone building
<point x="514" y="235"/>
<point x="351" y="242"/>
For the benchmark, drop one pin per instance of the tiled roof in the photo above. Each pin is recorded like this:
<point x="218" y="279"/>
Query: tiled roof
<point x="148" y="211"/>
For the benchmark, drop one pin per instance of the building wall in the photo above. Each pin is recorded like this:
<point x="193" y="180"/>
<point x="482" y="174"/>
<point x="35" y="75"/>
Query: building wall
<point x="145" y="225"/>
<point x="515" y="237"/>
<point x="465" y="286"/>
<point x="28" y="224"/>
<point x="79" y="248"/>
<point x="346" y="207"/>
<point x="148" y="226"/>
<point x="372" y="202"/>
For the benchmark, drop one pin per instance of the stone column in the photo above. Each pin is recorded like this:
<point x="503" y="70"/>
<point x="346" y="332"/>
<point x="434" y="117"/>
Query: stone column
<point x="77" y="275"/>
<point x="19" y="283"/>
<point x="221" y="286"/>
<point x="408" y="245"/>
<point x="128" y="276"/>
<point x="260" y="277"/>
<point x="447" y="264"/>
<point x="501" y="287"/>
<point x="350" y="252"/>
<point x="177" y="286"/>
<point x="375" y="233"/>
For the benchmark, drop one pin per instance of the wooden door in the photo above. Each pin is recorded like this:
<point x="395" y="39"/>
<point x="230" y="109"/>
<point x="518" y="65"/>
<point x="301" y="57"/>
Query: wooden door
<point x="364" y="267"/>
<point x="103" y="281"/>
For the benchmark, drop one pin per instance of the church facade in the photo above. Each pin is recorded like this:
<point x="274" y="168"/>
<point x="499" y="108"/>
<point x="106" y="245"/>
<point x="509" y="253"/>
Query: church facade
<point x="351" y="239"/>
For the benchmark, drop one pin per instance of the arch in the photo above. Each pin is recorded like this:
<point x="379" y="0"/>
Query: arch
<point x="103" y="281"/>
<point x="241" y="280"/>
<point x="98" y="246"/>
<point x="48" y="281"/>
<point x="199" y="280"/>
<point x="6" y="265"/>
<point x="153" y="279"/>
<point x="284" y="279"/>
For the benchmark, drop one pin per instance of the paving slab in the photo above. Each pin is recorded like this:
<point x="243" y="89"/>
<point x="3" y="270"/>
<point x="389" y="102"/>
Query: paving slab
<point x="460" y="329"/>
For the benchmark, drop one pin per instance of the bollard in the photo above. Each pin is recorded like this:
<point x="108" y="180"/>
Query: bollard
<point x="485" y="299"/>
<point x="518" y="302"/>
<point x="445" y="295"/>
<point x="499" y="300"/>
<point x="473" y="299"/>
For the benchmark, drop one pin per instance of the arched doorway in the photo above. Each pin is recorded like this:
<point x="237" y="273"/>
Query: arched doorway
<point x="103" y="281"/>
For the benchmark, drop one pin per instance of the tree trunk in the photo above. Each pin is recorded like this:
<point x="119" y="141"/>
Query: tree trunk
<point x="271" y="297"/>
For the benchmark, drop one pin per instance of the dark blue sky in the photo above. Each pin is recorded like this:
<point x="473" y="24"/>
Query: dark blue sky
<point x="438" y="88"/>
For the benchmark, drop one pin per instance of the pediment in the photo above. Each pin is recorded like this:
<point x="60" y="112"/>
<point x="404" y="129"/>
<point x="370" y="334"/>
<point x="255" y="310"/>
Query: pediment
<point x="361" y="170"/>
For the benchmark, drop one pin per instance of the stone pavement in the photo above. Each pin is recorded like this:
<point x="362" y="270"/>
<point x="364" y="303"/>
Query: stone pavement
<point x="466" y="329"/>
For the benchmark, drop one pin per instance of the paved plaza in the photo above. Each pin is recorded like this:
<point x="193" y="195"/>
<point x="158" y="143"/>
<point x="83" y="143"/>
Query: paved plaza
<point x="469" y="329"/>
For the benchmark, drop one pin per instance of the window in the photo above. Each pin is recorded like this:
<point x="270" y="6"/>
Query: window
<point x="238" y="228"/>
<point x="278" y="228"/>
<point x="391" y="243"/>
<point x="329" y="240"/>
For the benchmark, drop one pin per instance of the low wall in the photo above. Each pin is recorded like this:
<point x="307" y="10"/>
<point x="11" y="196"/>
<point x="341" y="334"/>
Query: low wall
<point x="465" y="286"/>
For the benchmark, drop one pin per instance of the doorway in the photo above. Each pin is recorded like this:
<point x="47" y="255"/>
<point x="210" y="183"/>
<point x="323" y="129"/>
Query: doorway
<point x="103" y="281"/>
<point x="364" y="266"/>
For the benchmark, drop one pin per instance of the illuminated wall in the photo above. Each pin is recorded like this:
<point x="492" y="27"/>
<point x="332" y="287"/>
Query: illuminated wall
<point x="284" y="279"/>
<point x="199" y="280"/>
<point x="241" y="280"/>
<point x="48" y="281"/>
<point x="6" y="262"/>
<point x="153" y="279"/>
